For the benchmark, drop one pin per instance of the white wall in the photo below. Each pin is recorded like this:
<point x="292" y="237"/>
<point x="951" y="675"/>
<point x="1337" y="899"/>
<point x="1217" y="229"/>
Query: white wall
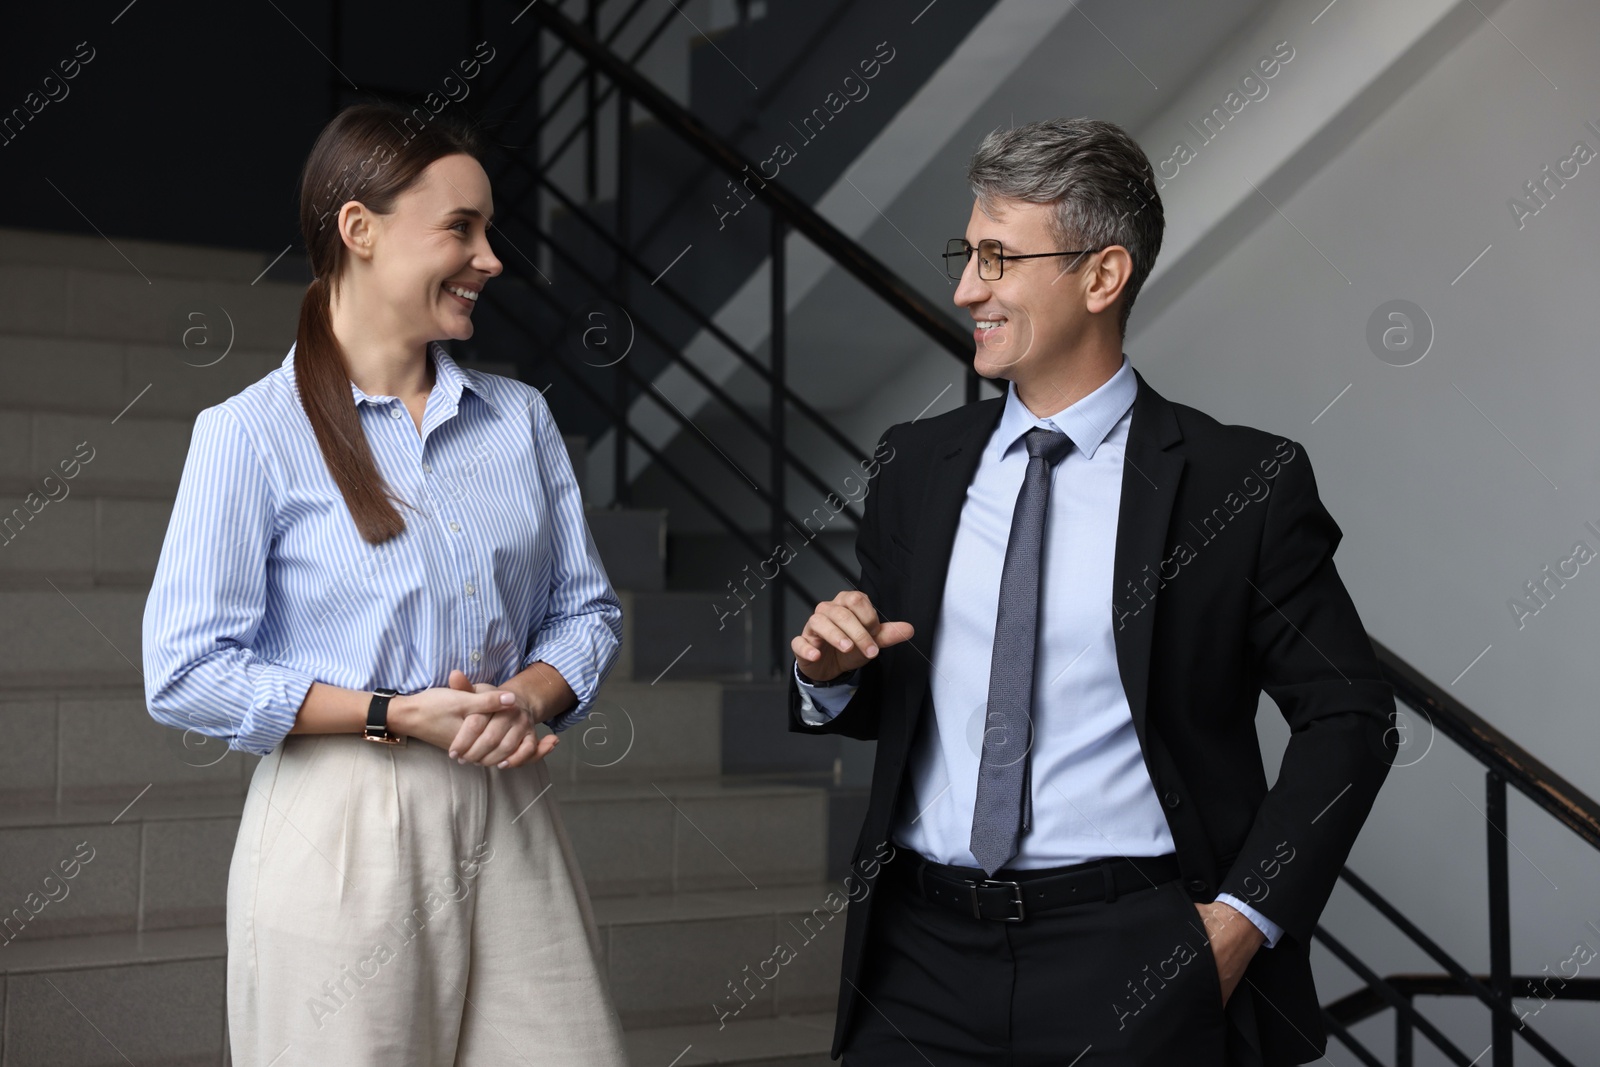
<point x="1455" y="479"/>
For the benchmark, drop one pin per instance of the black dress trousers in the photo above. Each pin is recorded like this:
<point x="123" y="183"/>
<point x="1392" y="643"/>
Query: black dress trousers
<point x="1125" y="983"/>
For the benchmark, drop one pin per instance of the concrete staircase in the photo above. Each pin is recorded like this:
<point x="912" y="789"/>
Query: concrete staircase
<point x="707" y="833"/>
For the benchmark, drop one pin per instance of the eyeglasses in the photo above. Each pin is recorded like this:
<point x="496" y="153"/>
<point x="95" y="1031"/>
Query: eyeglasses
<point x="991" y="258"/>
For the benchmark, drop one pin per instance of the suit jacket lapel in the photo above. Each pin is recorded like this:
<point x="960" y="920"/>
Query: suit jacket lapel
<point x="1150" y="476"/>
<point x="950" y="471"/>
<point x="1151" y="472"/>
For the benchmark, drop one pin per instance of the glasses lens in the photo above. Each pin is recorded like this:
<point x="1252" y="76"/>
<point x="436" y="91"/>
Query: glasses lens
<point x="956" y="251"/>
<point x="990" y="261"/>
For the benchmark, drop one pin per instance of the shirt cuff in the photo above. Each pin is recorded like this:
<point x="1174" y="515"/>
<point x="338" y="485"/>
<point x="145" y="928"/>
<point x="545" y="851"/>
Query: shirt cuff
<point x="276" y="695"/>
<point x="1271" y="929"/>
<point x="578" y="667"/>
<point x="819" y="704"/>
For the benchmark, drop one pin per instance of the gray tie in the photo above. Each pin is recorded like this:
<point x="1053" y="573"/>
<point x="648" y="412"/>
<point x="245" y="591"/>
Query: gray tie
<point x="998" y="821"/>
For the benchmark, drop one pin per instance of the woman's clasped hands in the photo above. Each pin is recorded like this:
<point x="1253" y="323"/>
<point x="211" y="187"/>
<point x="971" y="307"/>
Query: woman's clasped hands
<point x="476" y="723"/>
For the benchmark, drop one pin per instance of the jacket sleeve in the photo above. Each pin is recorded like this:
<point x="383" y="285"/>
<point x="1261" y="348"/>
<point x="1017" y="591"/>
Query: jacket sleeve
<point x="1314" y="659"/>
<point x="209" y="598"/>
<point x="859" y="717"/>
<point x="580" y="634"/>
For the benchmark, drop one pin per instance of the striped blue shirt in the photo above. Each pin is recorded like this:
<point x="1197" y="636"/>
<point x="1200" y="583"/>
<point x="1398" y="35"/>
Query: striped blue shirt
<point x="264" y="584"/>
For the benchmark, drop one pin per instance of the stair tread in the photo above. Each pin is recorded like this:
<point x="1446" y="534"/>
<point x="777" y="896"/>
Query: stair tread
<point x="749" y="1040"/>
<point x="71" y="953"/>
<point x="739" y="1041"/>
<point x="715" y="904"/>
<point x="156" y="807"/>
<point x="135" y="691"/>
<point x="692" y="787"/>
<point x="147" y="808"/>
<point x="163" y="259"/>
<point x="76" y="952"/>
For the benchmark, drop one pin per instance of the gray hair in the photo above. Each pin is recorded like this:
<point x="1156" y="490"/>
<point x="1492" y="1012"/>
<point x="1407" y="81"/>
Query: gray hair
<point x="1097" y="177"/>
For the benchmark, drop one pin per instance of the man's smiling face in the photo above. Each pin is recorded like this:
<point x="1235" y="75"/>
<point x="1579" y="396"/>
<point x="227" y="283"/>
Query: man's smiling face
<point x="1036" y="308"/>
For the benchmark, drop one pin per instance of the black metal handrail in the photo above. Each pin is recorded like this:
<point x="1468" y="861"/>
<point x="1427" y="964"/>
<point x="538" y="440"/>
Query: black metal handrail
<point x="624" y="426"/>
<point x="591" y="105"/>
<point x="1505" y="763"/>
<point x="788" y="212"/>
<point x="861" y="264"/>
<point x="774" y="83"/>
<point x="705" y="382"/>
<point x="1491" y="747"/>
<point x="700" y="318"/>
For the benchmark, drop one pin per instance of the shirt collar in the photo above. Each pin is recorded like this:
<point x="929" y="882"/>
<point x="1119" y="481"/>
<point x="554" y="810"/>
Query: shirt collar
<point x="1087" y="422"/>
<point x="447" y="374"/>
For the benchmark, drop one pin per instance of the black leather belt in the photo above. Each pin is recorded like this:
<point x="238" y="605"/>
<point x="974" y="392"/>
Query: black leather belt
<point x="968" y="891"/>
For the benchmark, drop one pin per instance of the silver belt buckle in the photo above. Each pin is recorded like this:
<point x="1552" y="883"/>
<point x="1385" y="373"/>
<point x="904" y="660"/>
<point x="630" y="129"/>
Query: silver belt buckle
<point x="1016" y="898"/>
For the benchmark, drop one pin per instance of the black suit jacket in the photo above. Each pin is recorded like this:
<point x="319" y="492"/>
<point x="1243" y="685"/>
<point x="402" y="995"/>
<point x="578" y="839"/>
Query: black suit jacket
<point x="1224" y="585"/>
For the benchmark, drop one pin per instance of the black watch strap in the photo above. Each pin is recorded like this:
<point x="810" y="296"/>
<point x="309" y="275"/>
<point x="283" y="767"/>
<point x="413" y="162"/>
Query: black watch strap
<point x="378" y="718"/>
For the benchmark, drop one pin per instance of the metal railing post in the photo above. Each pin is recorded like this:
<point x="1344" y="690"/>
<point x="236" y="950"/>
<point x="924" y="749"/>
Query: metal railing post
<point x="779" y="449"/>
<point x="624" y="186"/>
<point x="1499" y="915"/>
<point x="591" y="104"/>
<point x="1404" y="1039"/>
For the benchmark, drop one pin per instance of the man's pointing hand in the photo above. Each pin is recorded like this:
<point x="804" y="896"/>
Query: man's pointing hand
<point x="842" y="634"/>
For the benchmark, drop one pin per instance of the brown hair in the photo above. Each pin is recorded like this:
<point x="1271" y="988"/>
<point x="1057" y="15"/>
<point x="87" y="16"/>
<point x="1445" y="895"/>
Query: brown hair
<point x="370" y="153"/>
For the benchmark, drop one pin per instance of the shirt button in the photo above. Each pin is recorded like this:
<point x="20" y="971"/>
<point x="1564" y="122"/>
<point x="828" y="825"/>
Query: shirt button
<point x="476" y="657"/>
<point x="427" y="468"/>
<point x="471" y="589"/>
<point x="394" y="412"/>
<point x="454" y="528"/>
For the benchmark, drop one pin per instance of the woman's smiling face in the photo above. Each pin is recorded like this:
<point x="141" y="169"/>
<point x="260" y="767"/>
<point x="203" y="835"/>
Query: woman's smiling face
<point x="435" y="241"/>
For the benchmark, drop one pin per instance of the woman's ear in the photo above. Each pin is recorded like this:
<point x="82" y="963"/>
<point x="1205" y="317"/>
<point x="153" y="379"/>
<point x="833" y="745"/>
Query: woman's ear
<point x="356" y="228"/>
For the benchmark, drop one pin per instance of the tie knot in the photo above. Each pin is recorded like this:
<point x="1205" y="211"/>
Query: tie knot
<point x="1051" y="444"/>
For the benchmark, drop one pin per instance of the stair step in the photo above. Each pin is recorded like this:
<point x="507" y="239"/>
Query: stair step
<point x="640" y="731"/>
<point x="110" y="534"/>
<point x="80" y="744"/>
<point x="681" y="634"/>
<point x="157" y="259"/>
<point x="94" y="635"/>
<point x="733" y="955"/>
<point x="632" y="543"/>
<point x="163" y="1001"/>
<point x="139" y="454"/>
<point x="103" y="377"/>
<point x="692" y="835"/>
<point x="90" y="636"/>
<point x="120" y="305"/>
<point x="125" y="980"/>
<point x="784" y="1041"/>
<point x="83" y="745"/>
<point x="151" y="860"/>
<point x="104" y="951"/>
<point x="756" y="738"/>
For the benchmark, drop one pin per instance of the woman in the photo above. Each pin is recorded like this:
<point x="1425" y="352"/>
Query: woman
<point x="369" y="518"/>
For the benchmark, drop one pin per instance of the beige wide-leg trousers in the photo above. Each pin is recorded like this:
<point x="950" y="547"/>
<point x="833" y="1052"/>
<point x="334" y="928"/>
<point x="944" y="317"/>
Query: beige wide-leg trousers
<point x="387" y="905"/>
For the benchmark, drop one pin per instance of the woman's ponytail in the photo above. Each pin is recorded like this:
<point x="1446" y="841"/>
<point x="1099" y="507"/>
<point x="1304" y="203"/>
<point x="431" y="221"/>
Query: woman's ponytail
<point x="371" y="153"/>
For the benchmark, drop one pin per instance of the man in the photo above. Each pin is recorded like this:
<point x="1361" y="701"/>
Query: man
<point x="1070" y="601"/>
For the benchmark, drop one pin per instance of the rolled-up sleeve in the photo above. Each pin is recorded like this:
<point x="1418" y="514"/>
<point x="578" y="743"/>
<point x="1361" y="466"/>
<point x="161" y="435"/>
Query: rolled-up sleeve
<point x="580" y="634"/>
<point x="209" y="596"/>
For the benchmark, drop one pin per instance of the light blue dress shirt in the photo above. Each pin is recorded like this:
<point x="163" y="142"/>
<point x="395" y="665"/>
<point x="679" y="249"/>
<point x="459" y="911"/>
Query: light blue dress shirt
<point x="264" y="584"/>
<point x="1091" y="792"/>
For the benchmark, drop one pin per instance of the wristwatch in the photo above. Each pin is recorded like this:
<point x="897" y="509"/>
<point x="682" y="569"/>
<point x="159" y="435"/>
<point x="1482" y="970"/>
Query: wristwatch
<point x="378" y="719"/>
